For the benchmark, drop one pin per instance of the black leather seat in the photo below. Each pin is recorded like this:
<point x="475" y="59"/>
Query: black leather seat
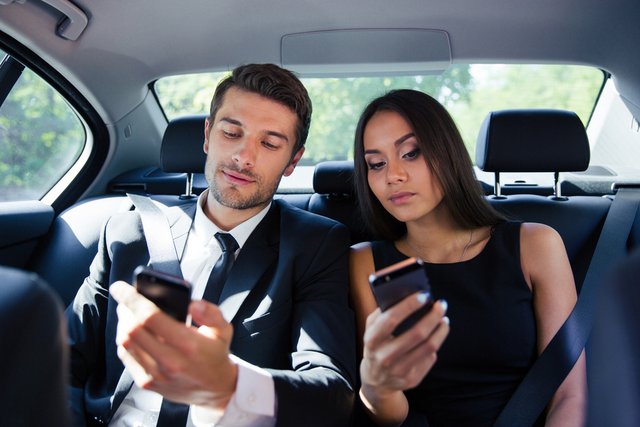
<point x="532" y="140"/>
<point x="182" y="149"/>
<point x="552" y="141"/>
<point x="614" y="375"/>
<point x="33" y="359"/>
<point x="334" y="196"/>
<point x="64" y="257"/>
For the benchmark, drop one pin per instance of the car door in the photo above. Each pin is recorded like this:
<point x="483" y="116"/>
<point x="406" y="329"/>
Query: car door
<point x="45" y="146"/>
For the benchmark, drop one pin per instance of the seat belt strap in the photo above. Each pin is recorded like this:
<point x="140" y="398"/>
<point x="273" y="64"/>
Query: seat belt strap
<point x="157" y="232"/>
<point x="556" y="361"/>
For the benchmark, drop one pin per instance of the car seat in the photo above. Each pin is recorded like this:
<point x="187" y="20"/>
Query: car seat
<point x="33" y="360"/>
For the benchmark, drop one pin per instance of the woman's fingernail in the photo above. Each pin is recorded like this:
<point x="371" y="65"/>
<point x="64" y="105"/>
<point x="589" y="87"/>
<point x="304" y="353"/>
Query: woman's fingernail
<point x="423" y="297"/>
<point x="446" y="320"/>
<point x="444" y="305"/>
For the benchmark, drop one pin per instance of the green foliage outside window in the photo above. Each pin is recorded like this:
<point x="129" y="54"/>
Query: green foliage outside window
<point x="469" y="92"/>
<point x="40" y="139"/>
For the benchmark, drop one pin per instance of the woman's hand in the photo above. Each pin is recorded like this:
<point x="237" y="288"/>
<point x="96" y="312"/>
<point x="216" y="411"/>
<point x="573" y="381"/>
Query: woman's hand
<point x="391" y="363"/>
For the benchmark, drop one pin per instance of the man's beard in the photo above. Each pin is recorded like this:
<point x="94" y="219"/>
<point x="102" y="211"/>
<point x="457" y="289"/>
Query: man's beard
<point x="233" y="199"/>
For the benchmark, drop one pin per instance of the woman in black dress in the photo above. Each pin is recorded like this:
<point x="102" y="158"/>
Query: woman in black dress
<point x="506" y="286"/>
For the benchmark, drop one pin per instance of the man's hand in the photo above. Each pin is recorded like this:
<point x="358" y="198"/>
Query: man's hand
<point x="183" y="363"/>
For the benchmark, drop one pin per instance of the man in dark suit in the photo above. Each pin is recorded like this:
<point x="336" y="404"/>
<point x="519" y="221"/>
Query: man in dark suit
<point x="278" y="349"/>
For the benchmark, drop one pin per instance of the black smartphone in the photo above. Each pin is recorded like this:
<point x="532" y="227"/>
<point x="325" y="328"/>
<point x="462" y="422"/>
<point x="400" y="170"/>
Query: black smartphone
<point x="170" y="293"/>
<point x="393" y="283"/>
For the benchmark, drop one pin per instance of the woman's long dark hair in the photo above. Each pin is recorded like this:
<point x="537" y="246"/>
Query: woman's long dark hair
<point x="445" y="154"/>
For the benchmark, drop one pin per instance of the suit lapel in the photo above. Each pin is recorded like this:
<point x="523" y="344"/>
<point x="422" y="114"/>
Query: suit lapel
<point x="259" y="252"/>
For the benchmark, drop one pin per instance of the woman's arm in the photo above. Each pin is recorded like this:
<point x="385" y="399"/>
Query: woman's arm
<point x="547" y="270"/>
<point x="362" y="300"/>
<point x="391" y="364"/>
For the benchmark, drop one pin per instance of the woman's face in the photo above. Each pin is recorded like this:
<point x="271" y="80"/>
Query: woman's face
<point x="398" y="174"/>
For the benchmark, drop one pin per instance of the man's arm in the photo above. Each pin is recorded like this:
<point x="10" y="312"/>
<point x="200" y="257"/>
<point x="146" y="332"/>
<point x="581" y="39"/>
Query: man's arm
<point x="85" y="318"/>
<point x="319" y="389"/>
<point x="95" y="368"/>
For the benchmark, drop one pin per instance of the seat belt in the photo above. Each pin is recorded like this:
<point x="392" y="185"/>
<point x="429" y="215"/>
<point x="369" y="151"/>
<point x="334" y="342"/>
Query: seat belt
<point x="162" y="257"/>
<point x="556" y="361"/>
<point x="157" y="232"/>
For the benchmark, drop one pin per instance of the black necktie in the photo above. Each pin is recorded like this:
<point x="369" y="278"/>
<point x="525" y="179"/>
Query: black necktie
<point x="220" y="271"/>
<point x="175" y="414"/>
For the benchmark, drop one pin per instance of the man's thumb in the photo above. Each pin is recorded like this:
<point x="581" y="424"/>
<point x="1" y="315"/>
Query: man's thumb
<point x="210" y="320"/>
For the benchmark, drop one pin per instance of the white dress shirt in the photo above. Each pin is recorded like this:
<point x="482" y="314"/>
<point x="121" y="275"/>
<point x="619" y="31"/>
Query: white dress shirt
<point x="254" y="401"/>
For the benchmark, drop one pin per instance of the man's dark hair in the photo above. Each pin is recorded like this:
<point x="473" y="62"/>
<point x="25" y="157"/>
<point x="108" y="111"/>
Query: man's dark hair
<point x="274" y="83"/>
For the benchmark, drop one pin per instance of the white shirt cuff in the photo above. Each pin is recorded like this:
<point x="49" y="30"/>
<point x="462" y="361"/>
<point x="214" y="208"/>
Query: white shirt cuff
<point x="253" y="403"/>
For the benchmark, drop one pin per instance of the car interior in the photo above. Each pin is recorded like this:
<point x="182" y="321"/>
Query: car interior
<point x="106" y="61"/>
<point x="34" y="365"/>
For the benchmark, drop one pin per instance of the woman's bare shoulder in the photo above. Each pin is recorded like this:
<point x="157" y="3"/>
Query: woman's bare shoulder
<point x="534" y="233"/>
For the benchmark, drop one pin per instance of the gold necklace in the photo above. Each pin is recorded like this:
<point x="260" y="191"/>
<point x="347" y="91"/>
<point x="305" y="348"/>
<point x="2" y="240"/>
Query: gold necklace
<point x="464" y="250"/>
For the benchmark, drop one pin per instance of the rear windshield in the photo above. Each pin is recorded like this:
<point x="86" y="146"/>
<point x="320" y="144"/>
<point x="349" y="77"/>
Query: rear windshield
<point x="468" y="91"/>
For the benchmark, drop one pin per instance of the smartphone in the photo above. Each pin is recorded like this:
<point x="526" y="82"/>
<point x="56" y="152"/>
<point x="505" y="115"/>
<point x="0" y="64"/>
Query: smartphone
<point x="170" y="293"/>
<point x="395" y="282"/>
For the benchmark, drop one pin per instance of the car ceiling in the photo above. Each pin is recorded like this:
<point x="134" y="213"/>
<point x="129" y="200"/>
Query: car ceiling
<point x="128" y="44"/>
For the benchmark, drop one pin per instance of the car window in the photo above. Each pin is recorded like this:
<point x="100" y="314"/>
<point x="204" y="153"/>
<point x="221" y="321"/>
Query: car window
<point x="614" y="135"/>
<point x="469" y="92"/>
<point x="41" y="136"/>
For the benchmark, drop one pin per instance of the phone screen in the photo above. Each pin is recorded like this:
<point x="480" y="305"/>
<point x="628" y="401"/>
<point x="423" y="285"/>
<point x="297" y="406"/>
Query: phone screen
<point x="394" y="283"/>
<point x="170" y="293"/>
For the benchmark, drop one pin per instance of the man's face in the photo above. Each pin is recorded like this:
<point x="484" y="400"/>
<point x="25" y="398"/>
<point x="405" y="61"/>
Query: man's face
<point x="249" y="146"/>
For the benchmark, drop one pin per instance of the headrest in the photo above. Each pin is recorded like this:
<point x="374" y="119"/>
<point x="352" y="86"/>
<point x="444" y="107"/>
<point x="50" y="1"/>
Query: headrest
<point x="333" y="177"/>
<point x="532" y="141"/>
<point x="182" y="142"/>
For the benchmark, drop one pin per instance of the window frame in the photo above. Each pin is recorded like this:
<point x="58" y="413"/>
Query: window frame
<point x="89" y="164"/>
